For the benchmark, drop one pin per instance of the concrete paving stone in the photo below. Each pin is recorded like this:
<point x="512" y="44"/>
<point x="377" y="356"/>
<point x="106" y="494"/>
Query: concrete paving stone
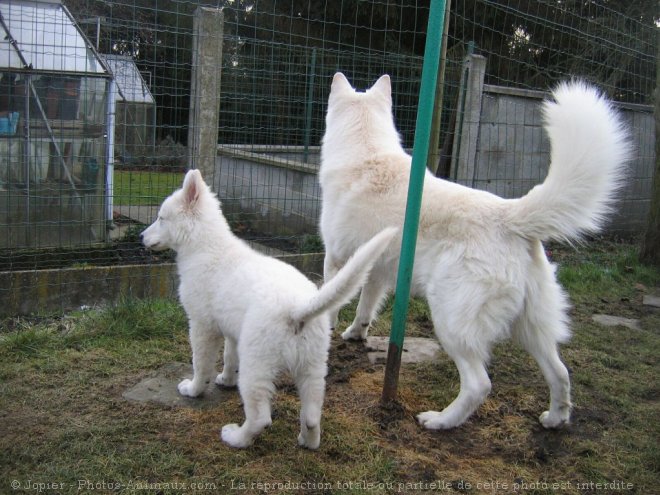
<point x="650" y="300"/>
<point x="161" y="388"/>
<point x="613" y="321"/>
<point x="415" y="349"/>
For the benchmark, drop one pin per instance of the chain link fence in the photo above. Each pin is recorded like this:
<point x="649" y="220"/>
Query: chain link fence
<point x="95" y="100"/>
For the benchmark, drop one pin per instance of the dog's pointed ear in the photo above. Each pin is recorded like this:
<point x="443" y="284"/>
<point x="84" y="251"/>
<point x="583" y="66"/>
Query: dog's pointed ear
<point x="340" y="84"/>
<point x="193" y="185"/>
<point x="383" y="86"/>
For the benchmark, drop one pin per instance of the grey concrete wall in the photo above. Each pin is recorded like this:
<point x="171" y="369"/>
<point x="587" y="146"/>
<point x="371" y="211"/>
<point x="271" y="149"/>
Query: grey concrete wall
<point x="54" y="291"/>
<point x="296" y="154"/>
<point x="271" y="192"/>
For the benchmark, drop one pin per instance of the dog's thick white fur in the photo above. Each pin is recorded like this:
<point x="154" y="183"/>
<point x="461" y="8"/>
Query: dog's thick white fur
<point x="479" y="259"/>
<point x="272" y="317"/>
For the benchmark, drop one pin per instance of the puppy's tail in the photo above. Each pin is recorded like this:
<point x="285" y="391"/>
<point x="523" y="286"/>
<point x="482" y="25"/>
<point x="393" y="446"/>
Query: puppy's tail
<point x="589" y="148"/>
<point x="343" y="286"/>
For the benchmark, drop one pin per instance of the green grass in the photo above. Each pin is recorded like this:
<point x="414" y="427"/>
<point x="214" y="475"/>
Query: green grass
<point x="138" y="188"/>
<point x="601" y="270"/>
<point x="64" y="419"/>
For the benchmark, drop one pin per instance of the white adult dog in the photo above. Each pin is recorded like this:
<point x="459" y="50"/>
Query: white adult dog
<point x="479" y="259"/>
<point x="272" y="317"/>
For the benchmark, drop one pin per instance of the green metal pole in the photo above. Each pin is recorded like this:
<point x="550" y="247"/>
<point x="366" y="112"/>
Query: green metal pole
<point x="420" y="153"/>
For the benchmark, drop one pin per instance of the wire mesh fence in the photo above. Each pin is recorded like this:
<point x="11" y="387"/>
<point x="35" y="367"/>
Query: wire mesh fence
<point x="95" y="100"/>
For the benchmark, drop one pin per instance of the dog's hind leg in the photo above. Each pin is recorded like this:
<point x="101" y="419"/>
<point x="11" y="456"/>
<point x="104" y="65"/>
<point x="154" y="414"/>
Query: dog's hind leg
<point x="557" y="377"/>
<point x="469" y="315"/>
<point x="312" y="391"/>
<point x="475" y="387"/>
<point x="539" y="330"/>
<point x="371" y="298"/>
<point x="541" y="326"/>
<point x="229" y="375"/>
<point x="256" y="392"/>
<point x="205" y="343"/>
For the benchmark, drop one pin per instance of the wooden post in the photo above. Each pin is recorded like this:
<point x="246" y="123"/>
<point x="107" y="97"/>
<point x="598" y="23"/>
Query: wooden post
<point x="467" y="126"/>
<point x="205" y="91"/>
<point x="650" y="252"/>
<point x="434" y="147"/>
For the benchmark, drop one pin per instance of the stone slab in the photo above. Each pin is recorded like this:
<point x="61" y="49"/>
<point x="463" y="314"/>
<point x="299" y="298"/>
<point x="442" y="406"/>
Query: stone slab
<point x="161" y="388"/>
<point x="613" y="321"/>
<point x="415" y="349"/>
<point x="653" y="301"/>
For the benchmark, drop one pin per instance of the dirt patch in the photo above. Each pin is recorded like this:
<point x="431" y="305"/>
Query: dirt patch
<point x="346" y="359"/>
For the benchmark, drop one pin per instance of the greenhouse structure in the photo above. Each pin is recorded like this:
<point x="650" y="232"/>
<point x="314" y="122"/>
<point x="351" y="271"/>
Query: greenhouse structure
<point x="56" y="130"/>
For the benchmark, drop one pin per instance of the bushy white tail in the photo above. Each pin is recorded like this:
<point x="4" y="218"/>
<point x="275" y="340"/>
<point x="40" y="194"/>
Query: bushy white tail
<point x="589" y="150"/>
<point x="339" y="290"/>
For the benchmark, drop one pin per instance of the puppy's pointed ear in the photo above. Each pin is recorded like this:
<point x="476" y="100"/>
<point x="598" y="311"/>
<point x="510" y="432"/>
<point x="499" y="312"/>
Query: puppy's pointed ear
<point x="383" y="86"/>
<point x="193" y="185"/>
<point x="340" y="84"/>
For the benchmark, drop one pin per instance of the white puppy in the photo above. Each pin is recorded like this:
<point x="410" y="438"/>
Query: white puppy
<point x="479" y="259"/>
<point x="272" y="317"/>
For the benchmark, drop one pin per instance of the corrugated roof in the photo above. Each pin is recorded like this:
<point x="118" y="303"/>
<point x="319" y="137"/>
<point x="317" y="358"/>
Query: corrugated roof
<point x="128" y="79"/>
<point x="45" y="36"/>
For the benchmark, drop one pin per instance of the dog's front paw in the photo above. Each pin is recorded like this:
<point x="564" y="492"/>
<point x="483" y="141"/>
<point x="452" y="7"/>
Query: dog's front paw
<point x="228" y="380"/>
<point x="234" y="436"/>
<point x="310" y="439"/>
<point x="187" y="390"/>
<point x="553" y="421"/>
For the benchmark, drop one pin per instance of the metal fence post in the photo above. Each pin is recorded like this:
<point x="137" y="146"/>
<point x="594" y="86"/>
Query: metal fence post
<point x="420" y="154"/>
<point x="309" y="105"/>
